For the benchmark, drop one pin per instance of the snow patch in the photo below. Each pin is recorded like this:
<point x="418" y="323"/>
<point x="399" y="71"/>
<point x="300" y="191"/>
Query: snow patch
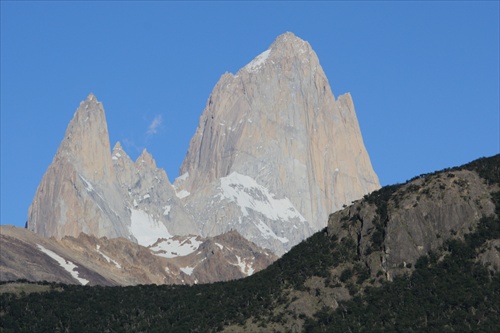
<point x="116" y="156"/>
<point x="88" y="186"/>
<point x="66" y="264"/>
<point x="166" y="210"/>
<point x="106" y="257"/>
<point x="146" y="229"/>
<point x="182" y="194"/>
<point x="187" y="270"/>
<point x="248" y="194"/>
<point x="171" y="248"/>
<point x="255" y="64"/>
<point x="184" y="176"/>
<point x="220" y="246"/>
<point x="146" y="196"/>
<point x="245" y="268"/>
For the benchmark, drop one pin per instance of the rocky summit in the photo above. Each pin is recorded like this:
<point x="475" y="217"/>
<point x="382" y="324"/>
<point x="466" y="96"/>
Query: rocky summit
<point x="274" y="153"/>
<point x="78" y="193"/>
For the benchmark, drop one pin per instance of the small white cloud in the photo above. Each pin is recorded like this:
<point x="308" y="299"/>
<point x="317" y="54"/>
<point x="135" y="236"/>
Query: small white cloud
<point x="153" y="127"/>
<point x="129" y="144"/>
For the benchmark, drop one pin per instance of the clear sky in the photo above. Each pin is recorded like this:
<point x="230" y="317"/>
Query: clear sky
<point x="424" y="76"/>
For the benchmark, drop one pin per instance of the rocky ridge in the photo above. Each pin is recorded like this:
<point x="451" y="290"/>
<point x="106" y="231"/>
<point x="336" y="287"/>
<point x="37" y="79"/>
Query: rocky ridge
<point x="395" y="226"/>
<point x="88" y="260"/>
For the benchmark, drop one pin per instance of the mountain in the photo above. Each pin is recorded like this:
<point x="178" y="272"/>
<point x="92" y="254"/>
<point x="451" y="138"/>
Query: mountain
<point x="420" y="256"/>
<point x="273" y="155"/>
<point x="65" y="202"/>
<point x="274" y="152"/>
<point x="115" y="221"/>
<point x="87" y="188"/>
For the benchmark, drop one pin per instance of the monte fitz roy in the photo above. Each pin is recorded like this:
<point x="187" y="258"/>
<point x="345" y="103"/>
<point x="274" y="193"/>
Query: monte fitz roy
<point x="273" y="155"/>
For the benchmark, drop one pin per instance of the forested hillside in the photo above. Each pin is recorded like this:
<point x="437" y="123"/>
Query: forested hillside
<point x="325" y="284"/>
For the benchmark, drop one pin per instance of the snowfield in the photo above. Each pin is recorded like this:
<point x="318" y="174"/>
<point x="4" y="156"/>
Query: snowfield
<point x="146" y="229"/>
<point x="248" y="194"/>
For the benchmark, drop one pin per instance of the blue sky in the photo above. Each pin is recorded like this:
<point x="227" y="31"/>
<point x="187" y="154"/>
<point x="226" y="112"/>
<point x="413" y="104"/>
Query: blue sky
<point x="424" y="76"/>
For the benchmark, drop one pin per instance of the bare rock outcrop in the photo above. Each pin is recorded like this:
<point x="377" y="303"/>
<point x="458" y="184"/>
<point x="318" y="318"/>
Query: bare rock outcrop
<point x="397" y="225"/>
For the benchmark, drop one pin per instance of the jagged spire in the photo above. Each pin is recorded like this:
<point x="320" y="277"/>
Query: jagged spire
<point x="86" y="140"/>
<point x="145" y="159"/>
<point x="118" y="146"/>
<point x="286" y="45"/>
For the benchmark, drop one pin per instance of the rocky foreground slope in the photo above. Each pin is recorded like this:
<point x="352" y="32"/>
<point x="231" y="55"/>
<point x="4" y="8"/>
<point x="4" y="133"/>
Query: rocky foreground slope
<point x="87" y="260"/>
<point x="273" y="155"/>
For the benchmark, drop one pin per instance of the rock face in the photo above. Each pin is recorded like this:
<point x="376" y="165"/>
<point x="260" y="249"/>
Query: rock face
<point x="274" y="135"/>
<point x="88" y="189"/>
<point x="78" y="193"/>
<point x="89" y="193"/>
<point x="396" y="225"/>
<point x="273" y="155"/>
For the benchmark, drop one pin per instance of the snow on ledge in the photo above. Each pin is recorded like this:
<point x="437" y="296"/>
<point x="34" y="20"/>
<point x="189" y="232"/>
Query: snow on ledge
<point x="184" y="176"/>
<point x="88" y="185"/>
<point x="106" y="257"/>
<point x="66" y="264"/>
<point x="187" y="270"/>
<point x="182" y="194"/>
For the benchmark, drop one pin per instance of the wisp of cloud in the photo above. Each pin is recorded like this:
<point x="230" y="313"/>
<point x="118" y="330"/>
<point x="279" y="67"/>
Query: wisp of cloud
<point x="152" y="129"/>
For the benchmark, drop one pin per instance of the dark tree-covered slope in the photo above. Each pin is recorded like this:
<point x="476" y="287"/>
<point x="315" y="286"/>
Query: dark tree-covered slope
<point x="352" y="276"/>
